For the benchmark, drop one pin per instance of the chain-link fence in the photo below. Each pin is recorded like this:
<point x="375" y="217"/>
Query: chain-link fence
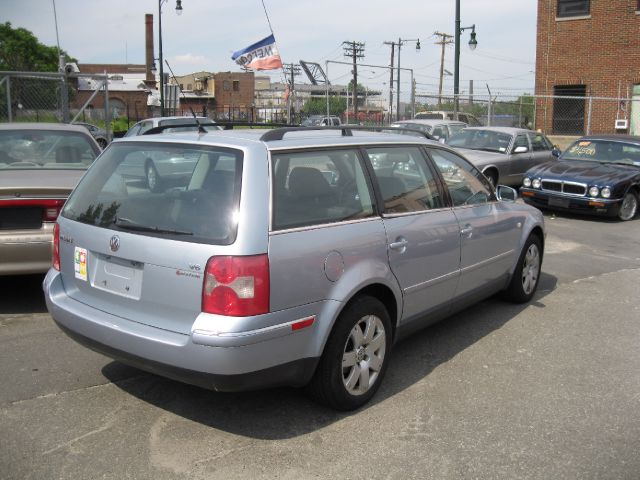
<point x="554" y="115"/>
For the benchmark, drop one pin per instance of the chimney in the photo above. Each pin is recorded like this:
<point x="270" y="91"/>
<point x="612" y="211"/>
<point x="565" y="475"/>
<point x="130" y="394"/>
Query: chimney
<point x="148" y="32"/>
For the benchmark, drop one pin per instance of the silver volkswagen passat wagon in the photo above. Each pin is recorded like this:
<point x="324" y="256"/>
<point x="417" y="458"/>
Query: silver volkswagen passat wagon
<point x="286" y="257"/>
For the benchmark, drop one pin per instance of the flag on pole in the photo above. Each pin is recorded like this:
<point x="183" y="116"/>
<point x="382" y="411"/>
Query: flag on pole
<point x="262" y="55"/>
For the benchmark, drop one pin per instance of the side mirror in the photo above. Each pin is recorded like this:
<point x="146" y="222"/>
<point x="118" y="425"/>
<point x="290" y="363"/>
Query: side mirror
<point x="521" y="149"/>
<point x="506" y="194"/>
<point x="555" y="152"/>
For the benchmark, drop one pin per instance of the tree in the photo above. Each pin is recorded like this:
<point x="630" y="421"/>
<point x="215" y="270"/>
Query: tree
<point x="315" y="105"/>
<point x="21" y="51"/>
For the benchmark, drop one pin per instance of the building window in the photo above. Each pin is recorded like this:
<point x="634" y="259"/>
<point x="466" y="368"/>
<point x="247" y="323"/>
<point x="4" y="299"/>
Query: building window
<point x="236" y="85"/>
<point x="568" y="109"/>
<point x="573" y="8"/>
<point x="226" y="85"/>
<point x="189" y="86"/>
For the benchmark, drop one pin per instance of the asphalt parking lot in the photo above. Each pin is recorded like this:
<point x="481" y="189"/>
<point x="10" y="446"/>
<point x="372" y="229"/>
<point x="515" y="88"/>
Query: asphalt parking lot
<point x="548" y="390"/>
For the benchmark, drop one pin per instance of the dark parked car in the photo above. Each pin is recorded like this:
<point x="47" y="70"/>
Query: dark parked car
<point x="100" y="134"/>
<point x="503" y="154"/>
<point x="596" y="174"/>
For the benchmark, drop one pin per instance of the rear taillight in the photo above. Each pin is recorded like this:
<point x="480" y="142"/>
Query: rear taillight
<point x="236" y="286"/>
<point x="56" y="247"/>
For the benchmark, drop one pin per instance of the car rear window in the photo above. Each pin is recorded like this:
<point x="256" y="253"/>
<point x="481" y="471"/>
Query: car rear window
<point x="178" y="191"/>
<point x="35" y="149"/>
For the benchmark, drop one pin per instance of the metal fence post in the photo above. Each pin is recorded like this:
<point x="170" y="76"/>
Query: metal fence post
<point x="107" y="109"/>
<point x="7" y="79"/>
<point x="589" y="116"/>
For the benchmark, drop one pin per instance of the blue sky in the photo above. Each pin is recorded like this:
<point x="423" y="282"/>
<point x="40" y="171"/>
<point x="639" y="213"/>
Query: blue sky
<point x="208" y="31"/>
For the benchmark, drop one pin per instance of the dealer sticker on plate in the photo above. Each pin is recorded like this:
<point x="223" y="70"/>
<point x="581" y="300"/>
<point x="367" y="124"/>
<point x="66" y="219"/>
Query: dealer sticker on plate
<point x="80" y="263"/>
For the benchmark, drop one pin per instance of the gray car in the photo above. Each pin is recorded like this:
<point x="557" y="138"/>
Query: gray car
<point x="503" y="154"/>
<point x="288" y="257"/>
<point x="441" y="130"/>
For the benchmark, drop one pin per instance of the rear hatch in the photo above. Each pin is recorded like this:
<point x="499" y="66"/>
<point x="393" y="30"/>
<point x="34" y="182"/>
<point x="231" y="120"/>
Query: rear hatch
<point x="140" y="253"/>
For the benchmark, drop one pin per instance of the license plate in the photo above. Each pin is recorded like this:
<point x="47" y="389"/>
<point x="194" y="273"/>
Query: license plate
<point x="118" y="276"/>
<point x="559" y="202"/>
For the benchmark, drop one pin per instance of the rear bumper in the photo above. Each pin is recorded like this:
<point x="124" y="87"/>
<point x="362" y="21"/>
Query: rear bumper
<point x="283" y="357"/>
<point x="26" y="251"/>
<point x="592" y="206"/>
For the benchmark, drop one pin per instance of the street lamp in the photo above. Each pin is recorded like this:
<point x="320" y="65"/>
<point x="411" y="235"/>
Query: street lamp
<point x="473" y="43"/>
<point x="400" y="42"/>
<point x="160" y="59"/>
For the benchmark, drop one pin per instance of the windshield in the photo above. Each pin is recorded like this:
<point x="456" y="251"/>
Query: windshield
<point x="178" y="191"/>
<point x="429" y="116"/>
<point x="51" y="149"/>
<point x="487" y="140"/>
<point x="604" y="151"/>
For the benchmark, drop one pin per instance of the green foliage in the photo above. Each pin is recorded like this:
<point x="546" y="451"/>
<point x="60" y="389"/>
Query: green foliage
<point x="318" y="106"/>
<point x="119" y="124"/>
<point x="21" y="51"/>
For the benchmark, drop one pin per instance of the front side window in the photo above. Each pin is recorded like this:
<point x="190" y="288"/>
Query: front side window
<point x="539" y="143"/>
<point x="318" y="187"/>
<point x="466" y="185"/>
<point x="405" y="181"/>
<point x="521" y="141"/>
<point x="177" y="191"/>
<point x="573" y="8"/>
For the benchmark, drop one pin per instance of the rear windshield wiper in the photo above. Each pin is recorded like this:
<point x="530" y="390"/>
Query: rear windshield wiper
<point x="128" y="224"/>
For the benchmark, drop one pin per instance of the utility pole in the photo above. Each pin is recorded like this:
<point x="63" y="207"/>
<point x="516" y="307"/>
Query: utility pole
<point x="445" y="39"/>
<point x="291" y="71"/>
<point x="393" y="44"/>
<point x="399" y="44"/>
<point x="355" y="50"/>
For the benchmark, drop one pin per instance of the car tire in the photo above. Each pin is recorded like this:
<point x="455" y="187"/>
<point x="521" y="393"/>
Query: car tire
<point x="355" y="357"/>
<point x="524" y="283"/>
<point x="152" y="177"/>
<point x="629" y="207"/>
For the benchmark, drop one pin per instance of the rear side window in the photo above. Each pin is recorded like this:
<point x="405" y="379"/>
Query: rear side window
<point x="183" y="192"/>
<point x="406" y="183"/>
<point x="318" y="187"/>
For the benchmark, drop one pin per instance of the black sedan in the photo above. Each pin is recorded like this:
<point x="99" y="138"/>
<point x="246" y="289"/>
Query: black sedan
<point x="597" y="175"/>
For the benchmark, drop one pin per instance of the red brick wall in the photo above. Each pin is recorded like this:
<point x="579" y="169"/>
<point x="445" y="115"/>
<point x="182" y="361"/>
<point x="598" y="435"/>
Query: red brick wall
<point x="230" y="98"/>
<point x="601" y="52"/>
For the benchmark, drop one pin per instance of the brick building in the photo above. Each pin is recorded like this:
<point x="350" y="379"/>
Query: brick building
<point x="588" y="48"/>
<point x="128" y="92"/>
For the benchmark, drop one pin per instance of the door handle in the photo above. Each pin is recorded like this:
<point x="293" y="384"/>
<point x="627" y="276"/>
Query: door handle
<point x="401" y="244"/>
<point x="466" y="231"/>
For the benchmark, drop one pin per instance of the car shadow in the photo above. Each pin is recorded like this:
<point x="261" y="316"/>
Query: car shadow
<point x="22" y="294"/>
<point x="551" y="214"/>
<point x="283" y="413"/>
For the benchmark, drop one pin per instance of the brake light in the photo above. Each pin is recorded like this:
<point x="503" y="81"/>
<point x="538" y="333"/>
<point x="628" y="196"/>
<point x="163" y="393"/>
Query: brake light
<point x="236" y="286"/>
<point x="56" y="247"/>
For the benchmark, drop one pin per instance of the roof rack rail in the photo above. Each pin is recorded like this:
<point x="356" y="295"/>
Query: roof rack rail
<point x="231" y="125"/>
<point x="347" y="131"/>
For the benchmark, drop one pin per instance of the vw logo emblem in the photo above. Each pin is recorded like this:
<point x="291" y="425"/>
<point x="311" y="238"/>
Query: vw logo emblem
<point x="114" y="243"/>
